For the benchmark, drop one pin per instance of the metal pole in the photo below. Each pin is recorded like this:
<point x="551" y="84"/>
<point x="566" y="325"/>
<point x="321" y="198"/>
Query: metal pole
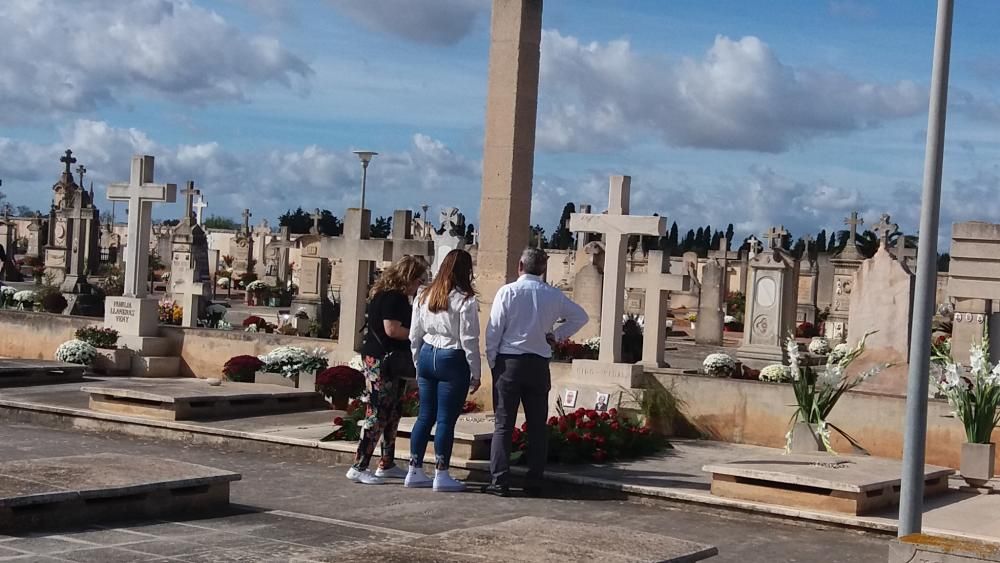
<point x="915" y="441"/>
<point x="364" y="181"/>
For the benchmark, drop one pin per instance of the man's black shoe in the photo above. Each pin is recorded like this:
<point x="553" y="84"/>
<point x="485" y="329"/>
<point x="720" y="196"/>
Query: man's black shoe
<point x="496" y="490"/>
<point x="534" y="491"/>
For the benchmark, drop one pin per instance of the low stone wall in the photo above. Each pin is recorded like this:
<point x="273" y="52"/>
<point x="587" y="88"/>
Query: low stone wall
<point x="36" y="336"/>
<point x="753" y="412"/>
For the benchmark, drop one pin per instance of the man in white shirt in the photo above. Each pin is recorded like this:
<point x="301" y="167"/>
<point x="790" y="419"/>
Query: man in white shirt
<point x="519" y="339"/>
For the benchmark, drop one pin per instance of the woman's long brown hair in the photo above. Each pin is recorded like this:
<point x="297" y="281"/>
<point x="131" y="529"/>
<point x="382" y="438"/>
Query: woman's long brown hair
<point x="455" y="274"/>
<point x="399" y="275"/>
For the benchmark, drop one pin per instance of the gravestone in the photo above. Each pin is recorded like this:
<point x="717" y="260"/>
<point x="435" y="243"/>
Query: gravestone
<point x="110" y="245"/>
<point x="189" y="248"/>
<point x="57" y="251"/>
<point x="403" y="243"/>
<point x="712" y="305"/>
<point x="688" y="299"/>
<point x="451" y="238"/>
<point x="261" y="234"/>
<point x="588" y="290"/>
<point x="77" y="217"/>
<point x="359" y="255"/>
<point x="314" y="285"/>
<point x="36" y="232"/>
<point x="8" y="267"/>
<point x="657" y="283"/>
<point x="882" y="303"/>
<point x="807" y="291"/>
<point x="770" y="308"/>
<point x="134" y="315"/>
<point x="241" y="248"/>
<point x="974" y="285"/>
<point x="279" y="271"/>
<point x="190" y="294"/>
<point x="845" y="263"/>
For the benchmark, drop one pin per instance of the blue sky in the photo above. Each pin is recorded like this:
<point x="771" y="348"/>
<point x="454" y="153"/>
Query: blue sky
<point x="752" y="112"/>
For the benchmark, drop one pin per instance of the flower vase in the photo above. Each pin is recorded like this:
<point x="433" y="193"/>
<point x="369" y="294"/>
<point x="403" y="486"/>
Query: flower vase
<point x="805" y="439"/>
<point x="978" y="463"/>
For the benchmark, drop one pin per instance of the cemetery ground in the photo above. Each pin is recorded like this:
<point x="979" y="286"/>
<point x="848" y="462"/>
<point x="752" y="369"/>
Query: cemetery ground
<point x="293" y="506"/>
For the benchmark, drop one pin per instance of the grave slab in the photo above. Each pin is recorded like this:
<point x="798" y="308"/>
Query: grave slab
<point x="473" y="436"/>
<point x="16" y="373"/>
<point x="196" y="400"/>
<point x="542" y="539"/>
<point x="83" y="490"/>
<point x="930" y="549"/>
<point x="849" y="484"/>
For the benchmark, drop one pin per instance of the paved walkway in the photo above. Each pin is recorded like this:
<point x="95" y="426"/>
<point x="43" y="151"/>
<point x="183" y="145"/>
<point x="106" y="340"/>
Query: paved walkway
<point x="675" y="474"/>
<point x="294" y="509"/>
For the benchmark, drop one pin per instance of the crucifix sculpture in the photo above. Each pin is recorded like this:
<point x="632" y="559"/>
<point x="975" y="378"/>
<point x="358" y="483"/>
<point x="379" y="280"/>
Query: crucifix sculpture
<point x="775" y="234"/>
<point x="884" y="230"/>
<point x="852" y="223"/>
<point x="81" y="170"/>
<point x="189" y="192"/>
<point x="316" y="216"/>
<point x="200" y="206"/>
<point x="68" y="160"/>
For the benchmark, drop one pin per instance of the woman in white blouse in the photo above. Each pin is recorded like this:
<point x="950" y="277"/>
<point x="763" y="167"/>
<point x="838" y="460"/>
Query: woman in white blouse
<point x="444" y="337"/>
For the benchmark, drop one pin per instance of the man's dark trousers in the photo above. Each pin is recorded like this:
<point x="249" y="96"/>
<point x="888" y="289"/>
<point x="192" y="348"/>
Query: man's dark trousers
<point x="522" y="379"/>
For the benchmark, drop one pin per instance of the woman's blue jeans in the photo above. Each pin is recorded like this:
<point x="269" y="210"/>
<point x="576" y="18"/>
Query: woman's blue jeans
<point x="443" y="380"/>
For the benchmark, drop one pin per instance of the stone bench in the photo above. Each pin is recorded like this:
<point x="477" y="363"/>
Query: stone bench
<point x="17" y="373"/>
<point x="193" y="399"/>
<point x="82" y="490"/>
<point x="847" y="484"/>
<point x="930" y="549"/>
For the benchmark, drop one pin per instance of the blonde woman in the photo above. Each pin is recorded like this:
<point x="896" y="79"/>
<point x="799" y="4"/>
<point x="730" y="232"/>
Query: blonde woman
<point x="387" y="361"/>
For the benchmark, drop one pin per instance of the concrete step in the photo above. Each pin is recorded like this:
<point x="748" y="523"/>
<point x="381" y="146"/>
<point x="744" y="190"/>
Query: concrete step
<point x="156" y="366"/>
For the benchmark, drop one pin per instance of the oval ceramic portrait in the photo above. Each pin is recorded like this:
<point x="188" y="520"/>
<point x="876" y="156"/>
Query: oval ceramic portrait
<point x="767" y="292"/>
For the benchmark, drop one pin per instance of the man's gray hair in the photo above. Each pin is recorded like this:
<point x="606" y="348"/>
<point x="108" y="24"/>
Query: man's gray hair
<point x="534" y="261"/>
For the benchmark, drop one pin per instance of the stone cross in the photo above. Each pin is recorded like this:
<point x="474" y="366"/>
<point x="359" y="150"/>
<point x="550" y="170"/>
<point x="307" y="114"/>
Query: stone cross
<point x="282" y="247"/>
<point x="884" y="229"/>
<point x="475" y="237"/>
<point x="140" y="192"/>
<point x="774" y="236"/>
<point x="246" y="220"/>
<point x="81" y="170"/>
<point x="359" y="254"/>
<point x="191" y="294"/>
<point x="658" y="283"/>
<point x="581" y="239"/>
<point x="200" y="206"/>
<point x="852" y="223"/>
<point x="260" y="234"/>
<point x="316" y="216"/>
<point x="616" y="226"/>
<point x="189" y="193"/>
<point x="755" y="246"/>
<point x="77" y="216"/>
<point x="68" y="160"/>
<point x="403" y="243"/>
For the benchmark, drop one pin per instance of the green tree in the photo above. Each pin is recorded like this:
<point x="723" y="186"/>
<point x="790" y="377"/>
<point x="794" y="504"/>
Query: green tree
<point x="821" y="241"/>
<point x="220" y="223"/>
<point x="730" y="233"/>
<point x="944" y="262"/>
<point x="562" y="237"/>
<point x="299" y="222"/>
<point x="381" y="228"/>
<point x="470" y="234"/>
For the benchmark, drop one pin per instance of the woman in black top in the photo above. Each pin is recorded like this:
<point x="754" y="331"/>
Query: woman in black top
<point x="388" y="321"/>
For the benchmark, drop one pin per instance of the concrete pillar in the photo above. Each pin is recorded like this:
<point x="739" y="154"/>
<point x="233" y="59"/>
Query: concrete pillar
<point x="509" y="144"/>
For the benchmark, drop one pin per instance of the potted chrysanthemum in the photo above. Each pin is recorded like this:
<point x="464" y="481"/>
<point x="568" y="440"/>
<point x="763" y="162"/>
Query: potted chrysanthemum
<point x="719" y="365"/>
<point x="110" y="359"/>
<point x="292" y="366"/>
<point x="76" y="352"/>
<point x="975" y="396"/>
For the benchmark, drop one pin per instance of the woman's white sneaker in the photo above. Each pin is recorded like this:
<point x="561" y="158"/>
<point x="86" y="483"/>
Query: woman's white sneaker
<point x="417" y="479"/>
<point x="444" y="483"/>
<point x="394" y="472"/>
<point x="365" y="477"/>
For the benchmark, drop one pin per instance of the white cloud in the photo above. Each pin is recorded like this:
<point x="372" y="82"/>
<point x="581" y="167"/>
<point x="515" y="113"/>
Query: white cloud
<point x="102" y="53"/>
<point x="440" y="22"/>
<point x="739" y="96"/>
<point x="266" y="182"/>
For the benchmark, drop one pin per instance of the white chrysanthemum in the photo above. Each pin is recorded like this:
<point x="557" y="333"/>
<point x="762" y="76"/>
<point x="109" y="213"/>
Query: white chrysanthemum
<point x="719" y="365"/>
<point x="8" y="290"/>
<point x="819" y="346"/>
<point x="25" y="296"/>
<point x="292" y="360"/>
<point x="593" y="344"/>
<point x="76" y="352"/>
<point x="775" y="373"/>
<point x="224" y="283"/>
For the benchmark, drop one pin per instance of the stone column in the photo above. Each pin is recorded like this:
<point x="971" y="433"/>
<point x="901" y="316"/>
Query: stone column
<point x="711" y="307"/>
<point x="509" y="143"/>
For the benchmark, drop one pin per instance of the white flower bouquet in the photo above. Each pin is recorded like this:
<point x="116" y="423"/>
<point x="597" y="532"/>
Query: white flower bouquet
<point x="224" y="283"/>
<point x="257" y="286"/>
<point x="775" y="373"/>
<point x="25" y="298"/>
<point x="719" y="365"/>
<point x="974" y="394"/>
<point x="7" y="296"/>
<point x="76" y="352"/>
<point x="838" y="353"/>
<point x="292" y="360"/>
<point x="819" y="346"/>
<point x="593" y="344"/>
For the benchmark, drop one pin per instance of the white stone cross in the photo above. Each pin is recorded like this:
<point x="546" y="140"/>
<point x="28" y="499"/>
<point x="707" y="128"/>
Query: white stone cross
<point x="852" y="223"/>
<point x="260" y="234"/>
<point x="359" y="253"/>
<point x="140" y="192"/>
<point x="282" y="247"/>
<point x="658" y="283"/>
<point x="885" y="229"/>
<point x="616" y="226"/>
<point x="403" y="243"/>
<point x="316" y="216"/>
<point x="189" y="194"/>
<point x="200" y="205"/>
<point x="774" y="236"/>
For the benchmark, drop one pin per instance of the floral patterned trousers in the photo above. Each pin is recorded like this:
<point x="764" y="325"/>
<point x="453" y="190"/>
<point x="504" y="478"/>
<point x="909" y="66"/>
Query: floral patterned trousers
<point x="385" y="408"/>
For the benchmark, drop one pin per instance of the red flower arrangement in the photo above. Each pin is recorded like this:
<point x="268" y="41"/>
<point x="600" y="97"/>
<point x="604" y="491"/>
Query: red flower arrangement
<point x="347" y="426"/>
<point x="242" y="368"/>
<point x="254" y="320"/>
<point x="806" y="330"/>
<point x="568" y="350"/>
<point x="590" y="436"/>
<point x="341" y="384"/>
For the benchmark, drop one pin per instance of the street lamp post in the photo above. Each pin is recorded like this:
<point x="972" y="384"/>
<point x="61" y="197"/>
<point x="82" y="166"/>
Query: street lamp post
<point x="366" y="157"/>
<point x="914" y="443"/>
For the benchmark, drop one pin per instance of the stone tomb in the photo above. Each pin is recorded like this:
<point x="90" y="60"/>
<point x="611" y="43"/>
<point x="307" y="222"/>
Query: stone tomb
<point x="15" y="373"/>
<point x="473" y="436"/>
<point x="974" y="284"/>
<point x="846" y="484"/>
<point x="196" y="400"/>
<point x="83" y="490"/>
<point x="532" y="539"/>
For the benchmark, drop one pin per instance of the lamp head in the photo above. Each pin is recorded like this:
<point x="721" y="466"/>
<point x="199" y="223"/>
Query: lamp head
<point x="365" y="156"/>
